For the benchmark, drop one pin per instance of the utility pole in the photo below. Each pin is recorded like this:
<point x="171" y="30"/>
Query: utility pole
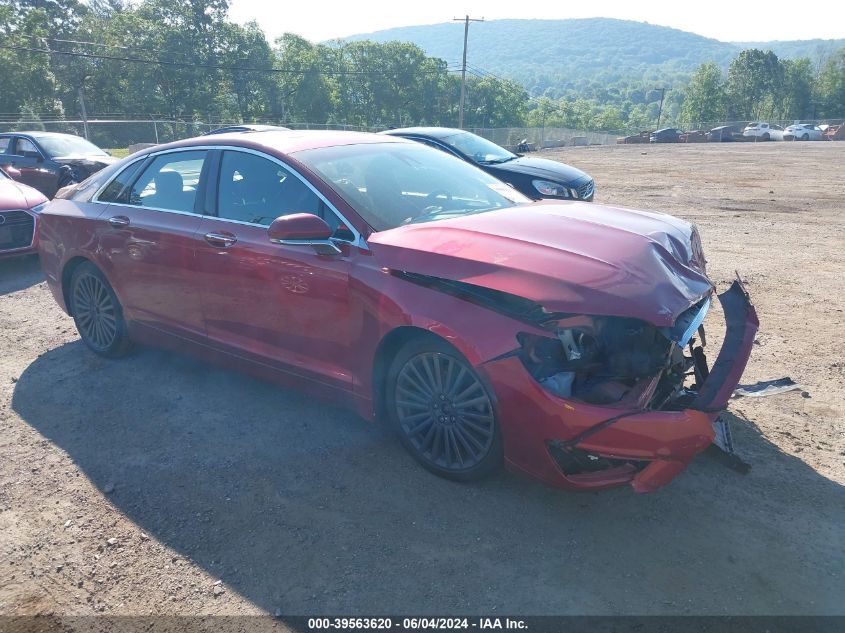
<point x="466" y="20"/>
<point x="660" y="111"/>
<point x="82" y="108"/>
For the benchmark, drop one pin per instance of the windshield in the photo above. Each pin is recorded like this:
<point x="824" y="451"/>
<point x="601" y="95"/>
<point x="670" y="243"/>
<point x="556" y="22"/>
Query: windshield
<point x="478" y="149"/>
<point x="391" y="184"/>
<point x="67" y="145"/>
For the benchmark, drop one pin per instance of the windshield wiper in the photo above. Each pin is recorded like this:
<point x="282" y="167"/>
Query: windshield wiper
<point x="444" y="213"/>
<point x="498" y="161"/>
<point x="435" y="215"/>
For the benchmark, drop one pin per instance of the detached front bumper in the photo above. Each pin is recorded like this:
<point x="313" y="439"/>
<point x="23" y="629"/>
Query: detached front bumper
<point x="544" y="434"/>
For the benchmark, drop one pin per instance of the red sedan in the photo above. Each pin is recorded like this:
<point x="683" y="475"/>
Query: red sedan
<point x="19" y="209"/>
<point x="562" y="339"/>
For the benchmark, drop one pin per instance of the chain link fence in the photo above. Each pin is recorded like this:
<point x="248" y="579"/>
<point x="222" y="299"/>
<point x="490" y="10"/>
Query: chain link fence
<point x="117" y="134"/>
<point x="538" y="138"/>
<point x="121" y="134"/>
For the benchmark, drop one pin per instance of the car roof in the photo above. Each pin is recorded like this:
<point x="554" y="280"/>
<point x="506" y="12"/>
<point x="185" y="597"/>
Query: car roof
<point x="282" y="141"/>
<point x="43" y="134"/>
<point x="435" y="132"/>
<point x="244" y="127"/>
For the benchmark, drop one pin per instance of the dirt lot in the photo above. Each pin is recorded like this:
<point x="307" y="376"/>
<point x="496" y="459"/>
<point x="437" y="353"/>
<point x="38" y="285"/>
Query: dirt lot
<point x="133" y="486"/>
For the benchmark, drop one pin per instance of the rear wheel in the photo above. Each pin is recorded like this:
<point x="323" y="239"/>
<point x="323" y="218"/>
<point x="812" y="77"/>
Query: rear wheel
<point x="97" y="312"/>
<point x="806" y="137"/>
<point x="442" y="410"/>
<point x="766" y="136"/>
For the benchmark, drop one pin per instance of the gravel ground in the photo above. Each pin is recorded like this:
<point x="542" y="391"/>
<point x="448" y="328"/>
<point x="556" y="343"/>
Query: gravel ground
<point x="160" y="485"/>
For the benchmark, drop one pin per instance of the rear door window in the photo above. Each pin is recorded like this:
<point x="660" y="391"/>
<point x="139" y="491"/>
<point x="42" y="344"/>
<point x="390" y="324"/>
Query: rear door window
<point x="4" y="143"/>
<point x="170" y="182"/>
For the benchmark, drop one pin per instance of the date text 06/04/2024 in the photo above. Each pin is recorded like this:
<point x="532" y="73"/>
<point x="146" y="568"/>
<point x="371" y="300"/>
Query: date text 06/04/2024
<point x="413" y="624"/>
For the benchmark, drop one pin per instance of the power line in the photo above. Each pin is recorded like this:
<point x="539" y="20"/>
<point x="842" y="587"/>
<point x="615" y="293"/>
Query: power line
<point x="162" y="62"/>
<point x="99" y="44"/>
<point x="455" y="65"/>
<point x="487" y="73"/>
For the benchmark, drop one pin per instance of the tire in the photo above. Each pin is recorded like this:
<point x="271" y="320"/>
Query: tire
<point x="806" y="137"/>
<point x="97" y="312"/>
<point x="443" y="412"/>
<point x="766" y="136"/>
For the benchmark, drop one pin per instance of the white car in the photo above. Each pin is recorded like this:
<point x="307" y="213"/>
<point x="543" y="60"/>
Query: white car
<point x="803" y="132"/>
<point x="764" y="131"/>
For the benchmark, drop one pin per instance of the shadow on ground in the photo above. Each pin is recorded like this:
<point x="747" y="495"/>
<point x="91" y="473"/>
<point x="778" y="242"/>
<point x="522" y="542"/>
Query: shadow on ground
<point x="19" y="273"/>
<point x="304" y="507"/>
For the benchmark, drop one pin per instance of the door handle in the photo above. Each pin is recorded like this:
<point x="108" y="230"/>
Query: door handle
<point x="119" y="221"/>
<point x="220" y="240"/>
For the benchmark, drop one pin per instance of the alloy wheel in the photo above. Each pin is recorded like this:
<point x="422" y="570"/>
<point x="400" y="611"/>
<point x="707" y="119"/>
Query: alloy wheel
<point x="95" y="312"/>
<point x="444" y="411"/>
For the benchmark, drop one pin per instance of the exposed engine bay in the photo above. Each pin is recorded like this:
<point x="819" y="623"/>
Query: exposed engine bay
<point x="620" y="362"/>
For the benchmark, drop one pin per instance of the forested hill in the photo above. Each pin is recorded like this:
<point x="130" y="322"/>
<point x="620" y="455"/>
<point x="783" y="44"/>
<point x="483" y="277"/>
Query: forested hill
<point x="562" y="53"/>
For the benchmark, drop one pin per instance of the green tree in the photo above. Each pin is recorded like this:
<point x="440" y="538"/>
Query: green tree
<point x="492" y="102"/>
<point x="704" y="97"/>
<point x="753" y="76"/>
<point x="254" y="94"/>
<point x="797" y="95"/>
<point x="305" y="91"/>
<point x="831" y="85"/>
<point x="28" y="80"/>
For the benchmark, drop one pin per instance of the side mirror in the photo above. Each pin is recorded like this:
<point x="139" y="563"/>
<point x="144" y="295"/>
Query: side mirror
<point x="303" y="229"/>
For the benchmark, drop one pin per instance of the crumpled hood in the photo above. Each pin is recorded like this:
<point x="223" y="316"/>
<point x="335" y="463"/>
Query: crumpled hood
<point x="14" y="195"/>
<point x="571" y="257"/>
<point x="544" y="168"/>
<point x="80" y="159"/>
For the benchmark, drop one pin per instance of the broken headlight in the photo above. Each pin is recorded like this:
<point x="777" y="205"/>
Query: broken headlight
<point x="602" y="360"/>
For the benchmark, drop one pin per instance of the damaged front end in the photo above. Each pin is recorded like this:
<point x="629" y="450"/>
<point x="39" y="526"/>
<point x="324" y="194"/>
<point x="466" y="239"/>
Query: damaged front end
<point x="619" y="362"/>
<point x="614" y="399"/>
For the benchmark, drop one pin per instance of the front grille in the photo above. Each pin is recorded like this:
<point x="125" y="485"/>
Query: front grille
<point x="16" y="229"/>
<point x="585" y="191"/>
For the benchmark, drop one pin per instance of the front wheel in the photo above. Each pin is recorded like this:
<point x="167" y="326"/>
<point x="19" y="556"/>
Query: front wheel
<point x="766" y="136"/>
<point x="442" y="410"/>
<point x="806" y="137"/>
<point x="97" y="312"/>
